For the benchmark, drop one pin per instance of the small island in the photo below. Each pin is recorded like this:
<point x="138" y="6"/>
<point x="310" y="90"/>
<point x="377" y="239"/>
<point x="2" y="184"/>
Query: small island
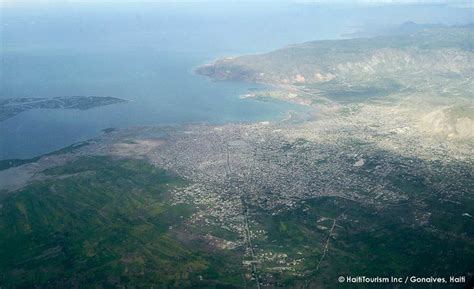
<point x="12" y="106"/>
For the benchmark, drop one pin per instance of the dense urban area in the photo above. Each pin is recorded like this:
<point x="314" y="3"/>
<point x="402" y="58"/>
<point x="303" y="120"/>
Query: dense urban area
<point x="377" y="182"/>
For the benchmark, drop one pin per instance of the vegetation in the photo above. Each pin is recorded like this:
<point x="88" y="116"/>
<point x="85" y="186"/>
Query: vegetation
<point x="363" y="68"/>
<point x="103" y="223"/>
<point x="361" y="193"/>
<point x="10" y="163"/>
<point x="367" y="242"/>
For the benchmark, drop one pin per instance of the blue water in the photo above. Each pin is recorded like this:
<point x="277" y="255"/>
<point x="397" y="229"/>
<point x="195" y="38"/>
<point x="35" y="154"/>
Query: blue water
<point x="146" y="53"/>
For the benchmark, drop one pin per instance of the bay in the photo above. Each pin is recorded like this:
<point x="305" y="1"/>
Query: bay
<point x="146" y="53"/>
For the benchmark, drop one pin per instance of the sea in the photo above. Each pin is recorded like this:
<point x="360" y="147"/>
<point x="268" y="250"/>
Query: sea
<point x="146" y="52"/>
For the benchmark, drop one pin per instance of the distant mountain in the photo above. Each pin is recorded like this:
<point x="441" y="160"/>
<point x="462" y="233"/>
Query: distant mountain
<point x="436" y="51"/>
<point x="378" y="184"/>
<point x="433" y="65"/>
<point x="408" y="27"/>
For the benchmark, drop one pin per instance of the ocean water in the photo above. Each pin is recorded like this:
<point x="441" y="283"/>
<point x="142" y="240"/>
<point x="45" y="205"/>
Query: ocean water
<point x="146" y="53"/>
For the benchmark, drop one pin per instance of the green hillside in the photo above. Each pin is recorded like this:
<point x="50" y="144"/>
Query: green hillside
<point x="103" y="223"/>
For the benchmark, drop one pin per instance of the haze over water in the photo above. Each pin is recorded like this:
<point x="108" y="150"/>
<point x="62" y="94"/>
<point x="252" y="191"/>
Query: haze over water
<point x="147" y="52"/>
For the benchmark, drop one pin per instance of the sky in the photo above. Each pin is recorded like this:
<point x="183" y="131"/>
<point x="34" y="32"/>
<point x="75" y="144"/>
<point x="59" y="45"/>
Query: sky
<point x="376" y="2"/>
